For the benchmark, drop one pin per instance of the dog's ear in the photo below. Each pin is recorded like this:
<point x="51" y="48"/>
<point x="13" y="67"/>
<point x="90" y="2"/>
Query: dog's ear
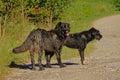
<point x="83" y="37"/>
<point x="58" y="25"/>
<point x="92" y="28"/>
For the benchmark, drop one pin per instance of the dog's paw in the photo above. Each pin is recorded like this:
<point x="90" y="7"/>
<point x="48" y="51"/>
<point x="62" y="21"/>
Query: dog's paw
<point x="82" y="62"/>
<point x="62" y="65"/>
<point x="48" y="66"/>
<point x="41" y="68"/>
<point x="33" y="69"/>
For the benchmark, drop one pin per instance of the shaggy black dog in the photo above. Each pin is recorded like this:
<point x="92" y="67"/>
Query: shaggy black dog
<point x="79" y="41"/>
<point x="50" y="41"/>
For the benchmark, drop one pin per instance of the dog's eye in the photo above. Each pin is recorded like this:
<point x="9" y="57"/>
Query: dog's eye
<point x="64" y="26"/>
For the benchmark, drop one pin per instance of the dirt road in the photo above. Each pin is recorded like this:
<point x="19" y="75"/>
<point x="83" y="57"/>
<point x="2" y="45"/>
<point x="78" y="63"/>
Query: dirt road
<point x="102" y="64"/>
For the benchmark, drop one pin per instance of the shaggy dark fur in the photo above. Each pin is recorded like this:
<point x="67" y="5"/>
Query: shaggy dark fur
<point x="50" y="41"/>
<point x="79" y="41"/>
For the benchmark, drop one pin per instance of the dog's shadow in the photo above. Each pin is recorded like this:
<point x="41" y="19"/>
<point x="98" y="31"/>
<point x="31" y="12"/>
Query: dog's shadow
<point x="28" y="66"/>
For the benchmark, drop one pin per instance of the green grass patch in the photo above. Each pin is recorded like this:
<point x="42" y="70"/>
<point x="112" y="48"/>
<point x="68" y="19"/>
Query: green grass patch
<point x="15" y="34"/>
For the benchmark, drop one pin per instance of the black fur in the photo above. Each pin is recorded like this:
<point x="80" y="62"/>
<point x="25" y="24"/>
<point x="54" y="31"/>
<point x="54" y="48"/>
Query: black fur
<point x="79" y="41"/>
<point x="50" y="41"/>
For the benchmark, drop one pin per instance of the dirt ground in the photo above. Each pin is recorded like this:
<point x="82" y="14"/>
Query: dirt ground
<point x="102" y="64"/>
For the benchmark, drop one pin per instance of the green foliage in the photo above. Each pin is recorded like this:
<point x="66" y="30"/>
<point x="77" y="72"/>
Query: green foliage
<point x="44" y="11"/>
<point x="83" y="12"/>
<point x="117" y="4"/>
<point x="39" y="12"/>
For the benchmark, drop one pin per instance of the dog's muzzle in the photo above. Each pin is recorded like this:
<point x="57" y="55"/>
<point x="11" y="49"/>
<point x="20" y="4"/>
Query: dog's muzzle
<point x="67" y="33"/>
<point x="99" y="37"/>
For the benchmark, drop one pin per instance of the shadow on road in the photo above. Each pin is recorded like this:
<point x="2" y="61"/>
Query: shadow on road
<point x="28" y="66"/>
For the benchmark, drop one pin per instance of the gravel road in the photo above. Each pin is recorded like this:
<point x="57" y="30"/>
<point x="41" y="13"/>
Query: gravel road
<point x="102" y="64"/>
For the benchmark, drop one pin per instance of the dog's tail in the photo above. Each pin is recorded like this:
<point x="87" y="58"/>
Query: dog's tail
<point x="26" y="44"/>
<point x="24" y="47"/>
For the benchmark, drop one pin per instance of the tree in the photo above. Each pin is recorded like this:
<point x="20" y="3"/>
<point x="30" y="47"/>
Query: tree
<point x="44" y="12"/>
<point x="117" y="4"/>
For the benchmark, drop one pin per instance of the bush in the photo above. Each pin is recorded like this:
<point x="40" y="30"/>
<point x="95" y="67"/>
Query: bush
<point x="117" y="4"/>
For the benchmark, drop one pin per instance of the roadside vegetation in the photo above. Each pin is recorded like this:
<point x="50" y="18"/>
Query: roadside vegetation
<point x="19" y="17"/>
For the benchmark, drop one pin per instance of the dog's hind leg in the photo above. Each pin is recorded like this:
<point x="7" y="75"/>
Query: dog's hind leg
<point x="32" y="59"/>
<point x="47" y="61"/>
<point x="81" y="52"/>
<point x="40" y="52"/>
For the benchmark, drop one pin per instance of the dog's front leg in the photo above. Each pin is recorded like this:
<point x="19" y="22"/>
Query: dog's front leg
<point x="81" y="52"/>
<point x="47" y="56"/>
<point x="58" y="55"/>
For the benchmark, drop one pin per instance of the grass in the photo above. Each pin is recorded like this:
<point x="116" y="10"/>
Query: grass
<point x="15" y="35"/>
<point x="80" y="14"/>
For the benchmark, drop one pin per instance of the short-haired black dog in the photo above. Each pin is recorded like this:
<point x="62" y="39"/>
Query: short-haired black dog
<point x="50" y="41"/>
<point x="79" y="41"/>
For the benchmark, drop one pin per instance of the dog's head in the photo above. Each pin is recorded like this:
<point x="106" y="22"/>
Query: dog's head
<point x="62" y="29"/>
<point x="96" y="33"/>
